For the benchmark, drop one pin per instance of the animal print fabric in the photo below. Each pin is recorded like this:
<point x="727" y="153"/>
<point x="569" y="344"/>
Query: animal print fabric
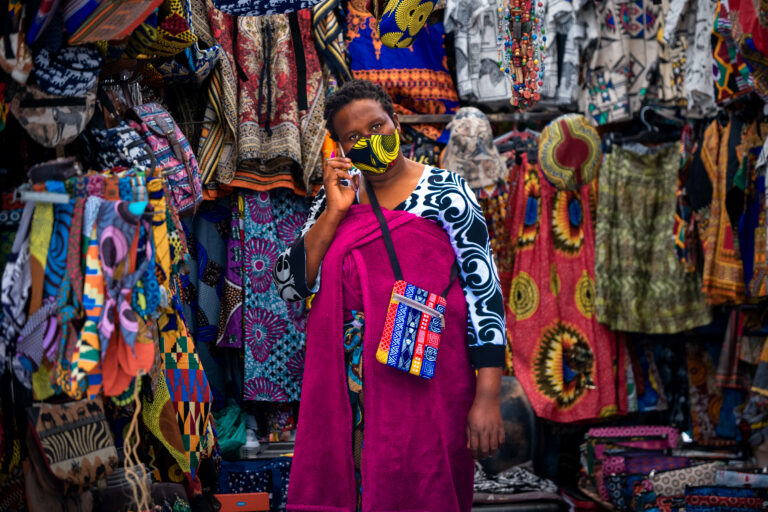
<point x="76" y="441"/>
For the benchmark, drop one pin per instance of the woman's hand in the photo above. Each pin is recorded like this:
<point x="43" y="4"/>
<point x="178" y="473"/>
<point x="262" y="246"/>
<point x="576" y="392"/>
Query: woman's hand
<point x="485" y="428"/>
<point x="338" y="195"/>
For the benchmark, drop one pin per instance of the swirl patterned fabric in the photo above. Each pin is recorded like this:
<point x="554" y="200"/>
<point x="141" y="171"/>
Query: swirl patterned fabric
<point x="444" y="198"/>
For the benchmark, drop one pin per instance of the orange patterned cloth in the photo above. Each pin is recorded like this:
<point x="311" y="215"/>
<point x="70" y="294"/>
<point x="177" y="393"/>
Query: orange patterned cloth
<point x="723" y="278"/>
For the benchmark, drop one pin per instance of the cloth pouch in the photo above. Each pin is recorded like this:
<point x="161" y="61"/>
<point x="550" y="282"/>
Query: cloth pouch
<point x="75" y="442"/>
<point x="72" y="71"/>
<point x="52" y="120"/>
<point x="121" y="146"/>
<point x="415" y="317"/>
<point x="674" y="482"/>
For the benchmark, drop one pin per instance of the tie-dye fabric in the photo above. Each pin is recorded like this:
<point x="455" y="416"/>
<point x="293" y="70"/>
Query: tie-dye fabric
<point x="39" y="242"/>
<point x="273" y="329"/>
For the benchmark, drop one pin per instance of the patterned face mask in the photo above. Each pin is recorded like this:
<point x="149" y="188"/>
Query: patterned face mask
<point x="375" y="153"/>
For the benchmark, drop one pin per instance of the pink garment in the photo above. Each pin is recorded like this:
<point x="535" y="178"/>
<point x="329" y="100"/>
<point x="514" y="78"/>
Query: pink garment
<point x="415" y="454"/>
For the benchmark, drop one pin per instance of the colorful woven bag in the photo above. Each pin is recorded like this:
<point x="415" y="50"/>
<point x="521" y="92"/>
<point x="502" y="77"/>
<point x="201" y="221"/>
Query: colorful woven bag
<point x="173" y="154"/>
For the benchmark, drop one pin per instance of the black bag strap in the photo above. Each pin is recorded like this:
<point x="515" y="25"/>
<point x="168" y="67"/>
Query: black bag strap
<point x="391" y="247"/>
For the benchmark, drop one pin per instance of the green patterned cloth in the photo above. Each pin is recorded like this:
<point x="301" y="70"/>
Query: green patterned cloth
<point x="641" y="286"/>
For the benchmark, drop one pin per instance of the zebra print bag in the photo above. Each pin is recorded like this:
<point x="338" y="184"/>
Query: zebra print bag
<point x="75" y="441"/>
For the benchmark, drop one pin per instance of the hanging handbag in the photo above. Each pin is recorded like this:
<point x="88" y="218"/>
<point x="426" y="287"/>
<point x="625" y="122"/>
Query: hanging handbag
<point x="73" y="442"/>
<point x="415" y="317"/>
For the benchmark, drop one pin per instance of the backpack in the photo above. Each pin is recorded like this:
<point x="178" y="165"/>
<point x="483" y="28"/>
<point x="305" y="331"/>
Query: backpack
<point x="173" y="154"/>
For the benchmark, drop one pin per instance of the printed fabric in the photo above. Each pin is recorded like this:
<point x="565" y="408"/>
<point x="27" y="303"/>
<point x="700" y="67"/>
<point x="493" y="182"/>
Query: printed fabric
<point x="233" y="296"/>
<point x="468" y="233"/>
<point x="475" y="26"/>
<point x="471" y="152"/>
<point x="273" y="330"/>
<point x="557" y="339"/>
<point x="419" y="84"/>
<point x="280" y="126"/>
<point x="731" y="73"/>
<point x="723" y="276"/>
<point x="641" y="285"/>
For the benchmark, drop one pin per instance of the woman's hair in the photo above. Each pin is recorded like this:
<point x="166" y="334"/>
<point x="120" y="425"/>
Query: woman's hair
<point x="352" y="91"/>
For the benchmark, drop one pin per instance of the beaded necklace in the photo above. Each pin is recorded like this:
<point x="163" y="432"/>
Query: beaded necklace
<point x="521" y="49"/>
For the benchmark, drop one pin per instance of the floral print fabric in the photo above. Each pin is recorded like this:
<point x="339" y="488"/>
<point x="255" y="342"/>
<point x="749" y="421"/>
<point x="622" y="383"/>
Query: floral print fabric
<point x="273" y="330"/>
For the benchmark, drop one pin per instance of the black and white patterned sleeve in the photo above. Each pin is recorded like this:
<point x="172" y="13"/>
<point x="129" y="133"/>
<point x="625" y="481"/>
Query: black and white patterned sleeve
<point x="444" y="197"/>
<point x="290" y="272"/>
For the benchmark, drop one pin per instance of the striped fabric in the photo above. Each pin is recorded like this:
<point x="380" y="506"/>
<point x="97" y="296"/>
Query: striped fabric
<point x="326" y="30"/>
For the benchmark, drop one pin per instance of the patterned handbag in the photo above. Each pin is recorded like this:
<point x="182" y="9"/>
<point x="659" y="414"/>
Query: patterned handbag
<point x="415" y="317"/>
<point x="173" y="153"/>
<point x="74" y="441"/>
<point x="674" y="482"/>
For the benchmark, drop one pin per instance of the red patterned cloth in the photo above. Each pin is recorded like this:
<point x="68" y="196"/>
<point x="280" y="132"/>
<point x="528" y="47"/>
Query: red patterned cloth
<point x="281" y="98"/>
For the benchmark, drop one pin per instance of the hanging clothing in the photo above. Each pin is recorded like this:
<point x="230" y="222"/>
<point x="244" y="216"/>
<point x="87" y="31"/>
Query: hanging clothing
<point x="690" y="23"/>
<point x="475" y="26"/>
<point x="731" y="74"/>
<point x="417" y="78"/>
<point x="641" y="285"/>
<point x="723" y="276"/>
<point x="233" y="296"/>
<point x="562" y="356"/>
<point x="561" y="68"/>
<point x="322" y="476"/>
<point x="280" y="126"/>
<point x="469" y="238"/>
<point x="273" y="330"/>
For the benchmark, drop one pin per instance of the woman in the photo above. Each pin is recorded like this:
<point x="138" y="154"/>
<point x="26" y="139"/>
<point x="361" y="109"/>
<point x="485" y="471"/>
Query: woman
<point x="420" y="434"/>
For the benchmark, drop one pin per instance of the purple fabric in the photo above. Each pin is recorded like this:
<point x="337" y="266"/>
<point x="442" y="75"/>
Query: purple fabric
<point x="415" y="454"/>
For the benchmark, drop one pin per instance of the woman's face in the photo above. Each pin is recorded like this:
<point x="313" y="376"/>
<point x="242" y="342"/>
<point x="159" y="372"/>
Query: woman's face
<point x="359" y="119"/>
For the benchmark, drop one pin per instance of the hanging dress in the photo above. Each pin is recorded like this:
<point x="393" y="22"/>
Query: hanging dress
<point x="562" y="356"/>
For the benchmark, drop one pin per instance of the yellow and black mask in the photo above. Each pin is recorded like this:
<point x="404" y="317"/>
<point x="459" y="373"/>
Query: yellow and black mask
<point x="375" y="153"/>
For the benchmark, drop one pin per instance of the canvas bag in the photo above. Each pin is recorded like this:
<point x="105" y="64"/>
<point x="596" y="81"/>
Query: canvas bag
<point x="72" y="71"/>
<point x="52" y="120"/>
<point x="75" y="442"/>
<point x="173" y="153"/>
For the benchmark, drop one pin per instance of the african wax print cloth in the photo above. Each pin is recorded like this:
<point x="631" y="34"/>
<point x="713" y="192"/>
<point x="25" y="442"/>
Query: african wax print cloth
<point x="207" y="237"/>
<point x="723" y="275"/>
<point x="281" y="97"/>
<point x="562" y="356"/>
<point x="732" y="77"/>
<point x="230" y="333"/>
<point x="641" y="285"/>
<point x="712" y="407"/>
<point x="417" y="78"/>
<point x="217" y="151"/>
<point x="475" y="26"/>
<point x="620" y="72"/>
<point x="753" y="237"/>
<point x="273" y="330"/>
<point x="181" y="395"/>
